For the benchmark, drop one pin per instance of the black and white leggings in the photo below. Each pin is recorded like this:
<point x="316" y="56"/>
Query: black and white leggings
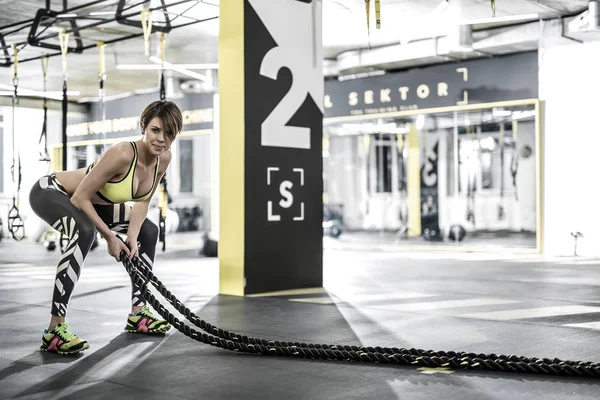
<point x="51" y="202"/>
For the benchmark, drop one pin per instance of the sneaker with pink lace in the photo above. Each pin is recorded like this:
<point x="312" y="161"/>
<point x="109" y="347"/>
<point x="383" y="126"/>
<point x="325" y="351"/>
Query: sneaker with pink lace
<point x="145" y="322"/>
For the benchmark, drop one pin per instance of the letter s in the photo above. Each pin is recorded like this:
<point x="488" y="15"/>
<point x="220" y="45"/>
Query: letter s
<point x="284" y="189"/>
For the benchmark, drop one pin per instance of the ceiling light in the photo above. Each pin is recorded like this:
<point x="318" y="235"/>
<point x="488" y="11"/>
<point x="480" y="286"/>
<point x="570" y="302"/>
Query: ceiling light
<point x="507" y="18"/>
<point x="500" y="112"/>
<point x="440" y="7"/>
<point x="184" y="71"/>
<point x="56" y="95"/>
<point x="156" y="66"/>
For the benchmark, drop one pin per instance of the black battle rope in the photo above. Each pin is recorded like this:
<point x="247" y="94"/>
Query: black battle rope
<point x="44" y="155"/>
<point x="142" y="276"/>
<point x="15" y="223"/>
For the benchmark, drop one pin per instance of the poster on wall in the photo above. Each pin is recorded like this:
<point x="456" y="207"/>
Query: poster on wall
<point x="430" y="227"/>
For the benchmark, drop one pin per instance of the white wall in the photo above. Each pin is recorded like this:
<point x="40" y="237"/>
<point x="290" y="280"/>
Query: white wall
<point x="569" y="84"/>
<point x="28" y="128"/>
<point x="344" y="176"/>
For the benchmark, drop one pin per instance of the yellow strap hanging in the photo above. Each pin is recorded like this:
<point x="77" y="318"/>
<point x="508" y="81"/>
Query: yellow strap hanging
<point x="64" y="49"/>
<point x="377" y="17"/>
<point x="494" y="7"/>
<point x="367" y="5"/>
<point x="101" y="64"/>
<point x="147" y="29"/>
<point x="16" y="62"/>
<point x="44" y="60"/>
<point x="162" y="48"/>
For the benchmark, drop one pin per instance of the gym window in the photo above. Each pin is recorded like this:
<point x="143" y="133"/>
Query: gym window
<point x="186" y="165"/>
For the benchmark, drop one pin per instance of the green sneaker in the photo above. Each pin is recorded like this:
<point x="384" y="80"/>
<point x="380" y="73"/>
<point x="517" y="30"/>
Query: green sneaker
<point x="146" y="322"/>
<point x="62" y="341"/>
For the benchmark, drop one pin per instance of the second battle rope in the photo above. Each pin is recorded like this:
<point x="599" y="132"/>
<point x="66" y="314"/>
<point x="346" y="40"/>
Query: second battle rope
<point x="384" y="355"/>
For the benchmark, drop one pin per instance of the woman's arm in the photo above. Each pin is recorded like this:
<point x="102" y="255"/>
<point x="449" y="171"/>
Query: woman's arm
<point x="114" y="162"/>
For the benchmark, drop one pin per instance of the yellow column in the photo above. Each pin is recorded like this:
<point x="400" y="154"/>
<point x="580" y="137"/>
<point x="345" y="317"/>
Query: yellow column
<point x="231" y="105"/>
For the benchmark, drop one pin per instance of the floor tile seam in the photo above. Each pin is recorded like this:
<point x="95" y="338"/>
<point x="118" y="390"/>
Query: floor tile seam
<point x="523" y="321"/>
<point x="466" y="297"/>
<point x="170" y="394"/>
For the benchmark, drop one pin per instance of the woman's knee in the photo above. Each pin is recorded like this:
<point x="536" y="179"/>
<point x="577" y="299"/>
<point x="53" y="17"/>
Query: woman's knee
<point x="148" y="232"/>
<point x="87" y="233"/>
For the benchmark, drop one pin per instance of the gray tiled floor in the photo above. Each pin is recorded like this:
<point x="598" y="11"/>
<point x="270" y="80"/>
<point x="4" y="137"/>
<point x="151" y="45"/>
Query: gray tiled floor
<point x="429" y="300"/>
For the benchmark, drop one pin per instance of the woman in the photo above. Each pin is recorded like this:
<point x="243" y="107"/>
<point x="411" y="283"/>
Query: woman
<point x="77" y="203"/>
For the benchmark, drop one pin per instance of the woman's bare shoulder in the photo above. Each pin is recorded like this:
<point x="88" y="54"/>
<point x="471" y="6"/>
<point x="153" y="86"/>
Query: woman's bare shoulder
<point x="120" y="152"/>
<point x="165" y="159"/>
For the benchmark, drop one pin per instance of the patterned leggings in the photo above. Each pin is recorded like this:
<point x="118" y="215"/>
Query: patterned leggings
<point x="51" y="202"/>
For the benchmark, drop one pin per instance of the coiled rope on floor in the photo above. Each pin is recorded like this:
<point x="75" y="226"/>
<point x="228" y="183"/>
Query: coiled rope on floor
<point x="384" y="355"/>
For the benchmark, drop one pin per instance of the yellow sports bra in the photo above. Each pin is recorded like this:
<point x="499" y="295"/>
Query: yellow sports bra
<point x="122" y="191"/>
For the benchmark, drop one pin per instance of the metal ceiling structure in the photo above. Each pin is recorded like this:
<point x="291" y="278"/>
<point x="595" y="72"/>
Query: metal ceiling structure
<point x="127" y="28"/>
<point x="90" y="23"/>
<point x="412" y="33"/>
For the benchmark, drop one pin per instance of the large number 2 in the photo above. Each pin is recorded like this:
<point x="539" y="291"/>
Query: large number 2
<point x="274" y="131"/>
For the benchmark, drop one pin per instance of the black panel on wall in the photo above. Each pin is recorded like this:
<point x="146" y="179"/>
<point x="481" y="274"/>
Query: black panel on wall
<point x="287" y="252"/>
<point x="502" y="78"/>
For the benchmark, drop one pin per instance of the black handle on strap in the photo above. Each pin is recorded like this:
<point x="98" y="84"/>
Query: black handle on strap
<point x="15" y="222"/>
<point x="162" y="214"/>
<point x="16" y="226"/>
<point x="44" y="155"/>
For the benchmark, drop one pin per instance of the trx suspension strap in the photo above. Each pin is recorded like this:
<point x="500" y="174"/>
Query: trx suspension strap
<point x="163" y="194"/>
<point x="377" y="17"/>
<point x="501" y="214"/>
<point x="367" y="5"/>
<point x="101" y="80"/>
<point x="64" y="43"/>
<point x="471" y="177"/>
<point x="43" y="142"/>
<point x="15" y="223"/>
<point x="514" y="165"/>
<point x="147" y="29"/>
<point x="402" y="184"/>
<point x="64" y="48"/>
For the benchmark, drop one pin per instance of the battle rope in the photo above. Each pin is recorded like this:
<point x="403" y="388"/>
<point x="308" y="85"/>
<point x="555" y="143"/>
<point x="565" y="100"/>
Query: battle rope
<point x="142" y="276"/>
<point x="15" y="223"/>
